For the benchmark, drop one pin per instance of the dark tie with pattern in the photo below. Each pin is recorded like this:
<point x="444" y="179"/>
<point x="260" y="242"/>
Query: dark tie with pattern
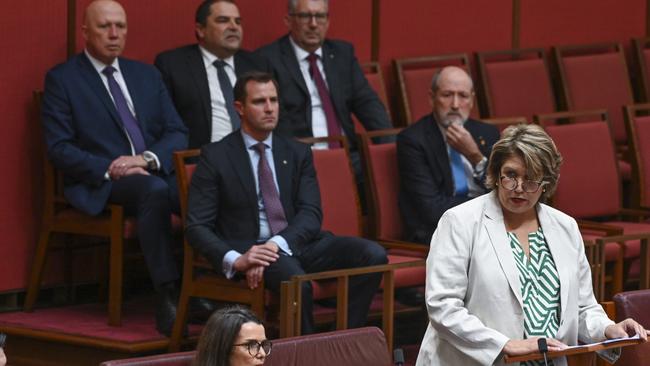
<point x="333" y="124"/>
<point x="272" y="205"/>
<point x="128" y="120"/>
<point x="228" y="96"/>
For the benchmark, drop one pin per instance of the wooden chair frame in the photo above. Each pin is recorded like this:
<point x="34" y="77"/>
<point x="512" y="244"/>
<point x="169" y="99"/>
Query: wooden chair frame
<point x="508" y="55"/>
<point x="109" y="224"/>
<point x="458" y="59"/>
<point x="213" y="286"/>
<point x="638" y="170"/>
<point x="505" y="122"/>
<point x="638" y="45"/>
<point x="374" y="68"/>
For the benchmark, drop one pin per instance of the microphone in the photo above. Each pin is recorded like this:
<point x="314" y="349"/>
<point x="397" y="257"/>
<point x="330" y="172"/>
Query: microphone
<point x="398" y="356"/>
<point x="543" y="348"/>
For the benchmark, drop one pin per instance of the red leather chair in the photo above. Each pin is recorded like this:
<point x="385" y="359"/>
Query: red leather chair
<point x="516" y="83"/>
<point x="594" y="77"/>
<point x="634" y="304"/>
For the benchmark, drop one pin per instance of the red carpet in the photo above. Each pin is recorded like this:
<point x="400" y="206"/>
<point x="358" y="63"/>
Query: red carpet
<point x="90" y="321"/>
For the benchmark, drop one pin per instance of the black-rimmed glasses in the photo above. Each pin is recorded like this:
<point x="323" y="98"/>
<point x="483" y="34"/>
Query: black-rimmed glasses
<point x="321" y="18"/>
<point x="254" y="347"/>
<point x="528" y="186"/>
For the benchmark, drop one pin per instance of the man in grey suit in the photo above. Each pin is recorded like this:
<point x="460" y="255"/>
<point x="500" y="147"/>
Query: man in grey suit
<point x="200" y="77"/>
<point x="321" y="82"/>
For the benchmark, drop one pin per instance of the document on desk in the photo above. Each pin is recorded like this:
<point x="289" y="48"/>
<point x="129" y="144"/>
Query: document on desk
<point x="608" y="342"/>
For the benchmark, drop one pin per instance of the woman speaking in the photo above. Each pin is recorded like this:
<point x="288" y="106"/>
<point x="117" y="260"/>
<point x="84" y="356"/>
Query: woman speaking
<point x="505" y="269"/>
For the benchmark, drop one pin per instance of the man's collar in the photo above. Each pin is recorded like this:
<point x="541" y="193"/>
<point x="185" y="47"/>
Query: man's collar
<point x="301" y="54"/>
<point x="209" y="58"/>
<point x="249" y="141"/>
<point x="100" y="66"/>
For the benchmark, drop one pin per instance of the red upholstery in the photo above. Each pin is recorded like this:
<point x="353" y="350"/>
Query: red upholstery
<point x="338" y="192"/>
<point x="589" y="184"/>
<point x="383" y="158"/>
<point x="418" y="83"/>
<point x="634" y="304"/>
<point x="519" y="88"/>
<point x="361" y="346"/>
<point x="599" y="81"/>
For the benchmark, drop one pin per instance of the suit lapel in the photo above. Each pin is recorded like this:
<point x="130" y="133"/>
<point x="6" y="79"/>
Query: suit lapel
<point x="435" y="139"/>
<point x="330" y="74"/>
<point x="89" y="74"/>
<point x="239" y="160"/>
<point x="501" y="245"/>
<point x="283" y="174"/>
<point x="291" y="64"/>
<point x="554" y="240"/>
<point x="196" y="66"/>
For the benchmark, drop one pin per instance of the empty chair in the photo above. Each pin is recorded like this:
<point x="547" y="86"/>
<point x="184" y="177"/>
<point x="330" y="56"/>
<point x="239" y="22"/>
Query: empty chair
<point x="516" y="83"/>
<point x="595" y="77"/>
<point x="589" y="187"/>
<point x="505" y="122"/>
<point x="414" y="77"/>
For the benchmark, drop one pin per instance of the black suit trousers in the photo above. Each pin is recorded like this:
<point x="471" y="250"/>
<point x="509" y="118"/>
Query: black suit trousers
<point x="329" y="253"/>
<point x="152" y="200"/>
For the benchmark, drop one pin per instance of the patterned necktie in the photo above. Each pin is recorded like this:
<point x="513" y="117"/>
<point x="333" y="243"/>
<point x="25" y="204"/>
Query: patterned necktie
<point x="228" y="96"/>
<point x="272" y="205"/>
<point x="128" y="120"/>
<point x="333" y="124"/>
<point x="458" y="171"/>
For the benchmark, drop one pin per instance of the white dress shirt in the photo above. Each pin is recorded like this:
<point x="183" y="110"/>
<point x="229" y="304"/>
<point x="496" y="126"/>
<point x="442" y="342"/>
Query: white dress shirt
<point x="221" y="125"/>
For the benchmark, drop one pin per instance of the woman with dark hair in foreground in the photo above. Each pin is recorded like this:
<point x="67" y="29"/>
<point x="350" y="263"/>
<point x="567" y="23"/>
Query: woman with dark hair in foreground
<point x="233" y="336"/>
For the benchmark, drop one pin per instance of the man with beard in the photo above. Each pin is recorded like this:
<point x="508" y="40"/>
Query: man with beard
<point x="200" y="77"/>
<point x="442" y="158"/>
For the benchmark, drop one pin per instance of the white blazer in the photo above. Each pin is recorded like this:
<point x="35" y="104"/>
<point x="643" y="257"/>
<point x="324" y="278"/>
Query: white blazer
<point x="473" y="294"/>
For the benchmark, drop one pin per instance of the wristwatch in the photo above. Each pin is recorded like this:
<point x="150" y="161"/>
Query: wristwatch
<point x="150" y="159"/>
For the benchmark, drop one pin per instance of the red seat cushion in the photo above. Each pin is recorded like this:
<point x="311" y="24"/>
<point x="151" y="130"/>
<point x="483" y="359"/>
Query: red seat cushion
<point x="385" y="177"/>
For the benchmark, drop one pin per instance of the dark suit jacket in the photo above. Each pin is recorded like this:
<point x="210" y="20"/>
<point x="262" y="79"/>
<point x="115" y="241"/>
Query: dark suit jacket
<point x="426" y="181"/>
<point x="222" y="207"/>
<point x="184" y="74"/>
<point x="84" y="133"/>
<point x="348" y="87"/>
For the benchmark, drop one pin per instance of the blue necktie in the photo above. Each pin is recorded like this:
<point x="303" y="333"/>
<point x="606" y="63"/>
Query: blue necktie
<point x="128" y="120"/>
<point x="458" y="171"/>
<point x="228" y="96"/>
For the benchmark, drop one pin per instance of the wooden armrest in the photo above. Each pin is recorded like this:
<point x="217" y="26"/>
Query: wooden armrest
<point x="635" y="213"/>
<point x="403" y="245"/>
<point x="607" y="230"/>
<point x="610" y="309"/>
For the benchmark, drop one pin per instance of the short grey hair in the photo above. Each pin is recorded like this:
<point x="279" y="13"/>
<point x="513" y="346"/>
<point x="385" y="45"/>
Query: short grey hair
<point x="291" y="6"/>
<point x="537" y="150"/>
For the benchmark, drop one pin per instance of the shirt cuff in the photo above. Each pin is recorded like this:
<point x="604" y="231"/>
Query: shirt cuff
<point x="155" y="159"/>
<point x="282" y="243"/>
<point x="228" y="264"/>
<point x="479" y="169"/>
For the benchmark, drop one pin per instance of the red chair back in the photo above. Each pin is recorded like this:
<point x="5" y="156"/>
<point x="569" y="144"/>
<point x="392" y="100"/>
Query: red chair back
<point x="596" y="77"/>
<point x="516" y="83"/>
<point x="589" y="184"/>
<point x="638" y="128"/>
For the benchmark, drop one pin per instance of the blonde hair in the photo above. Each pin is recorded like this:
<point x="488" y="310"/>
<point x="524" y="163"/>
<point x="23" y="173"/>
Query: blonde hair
<point x="537" y="150"/>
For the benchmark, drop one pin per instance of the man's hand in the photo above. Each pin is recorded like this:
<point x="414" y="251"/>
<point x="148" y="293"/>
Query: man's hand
<point x="254" y="276"/>
<point x="518" y="347"/>
<point x="127" y="165"/>
<point x="257" y="255"/>
<point x="462" y="141"/>
<point x="626" y="328"/>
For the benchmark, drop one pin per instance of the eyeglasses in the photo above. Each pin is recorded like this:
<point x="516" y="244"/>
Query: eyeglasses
<point x="254" y="347"/>
<point x="528" y="186"/>
<point x="304" y="18"/>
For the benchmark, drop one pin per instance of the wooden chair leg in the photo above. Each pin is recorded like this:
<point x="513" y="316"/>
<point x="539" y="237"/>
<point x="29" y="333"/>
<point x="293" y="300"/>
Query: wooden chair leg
<point x="115" y="278"/>
<point x="37" y="269"/>
<point x="181" y="318"/>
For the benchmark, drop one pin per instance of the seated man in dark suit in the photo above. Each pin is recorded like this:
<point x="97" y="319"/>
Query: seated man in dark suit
<point x="200" y="77"/>
<point x="254" y="208"/>
<point x="111" y="128"/>
<point x="442" y="157"/>
<point x="321" y="82"/>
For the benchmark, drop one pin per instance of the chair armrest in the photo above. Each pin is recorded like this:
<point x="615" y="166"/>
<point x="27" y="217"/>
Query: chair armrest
<point x="607" y="230"/>
<point x="635" y="213"/>
<point x="403" y="245"/>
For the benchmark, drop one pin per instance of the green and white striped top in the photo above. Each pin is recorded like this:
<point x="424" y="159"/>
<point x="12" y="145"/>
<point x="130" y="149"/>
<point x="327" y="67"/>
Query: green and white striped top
<point x="540" y="287"/>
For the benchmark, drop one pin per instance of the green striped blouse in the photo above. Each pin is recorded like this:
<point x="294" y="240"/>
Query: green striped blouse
<point x="540" y="287"/>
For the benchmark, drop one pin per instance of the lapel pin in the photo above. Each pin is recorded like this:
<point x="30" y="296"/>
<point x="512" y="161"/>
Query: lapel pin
<point x="284" y="162"/>
<point x="481" y="140"/>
